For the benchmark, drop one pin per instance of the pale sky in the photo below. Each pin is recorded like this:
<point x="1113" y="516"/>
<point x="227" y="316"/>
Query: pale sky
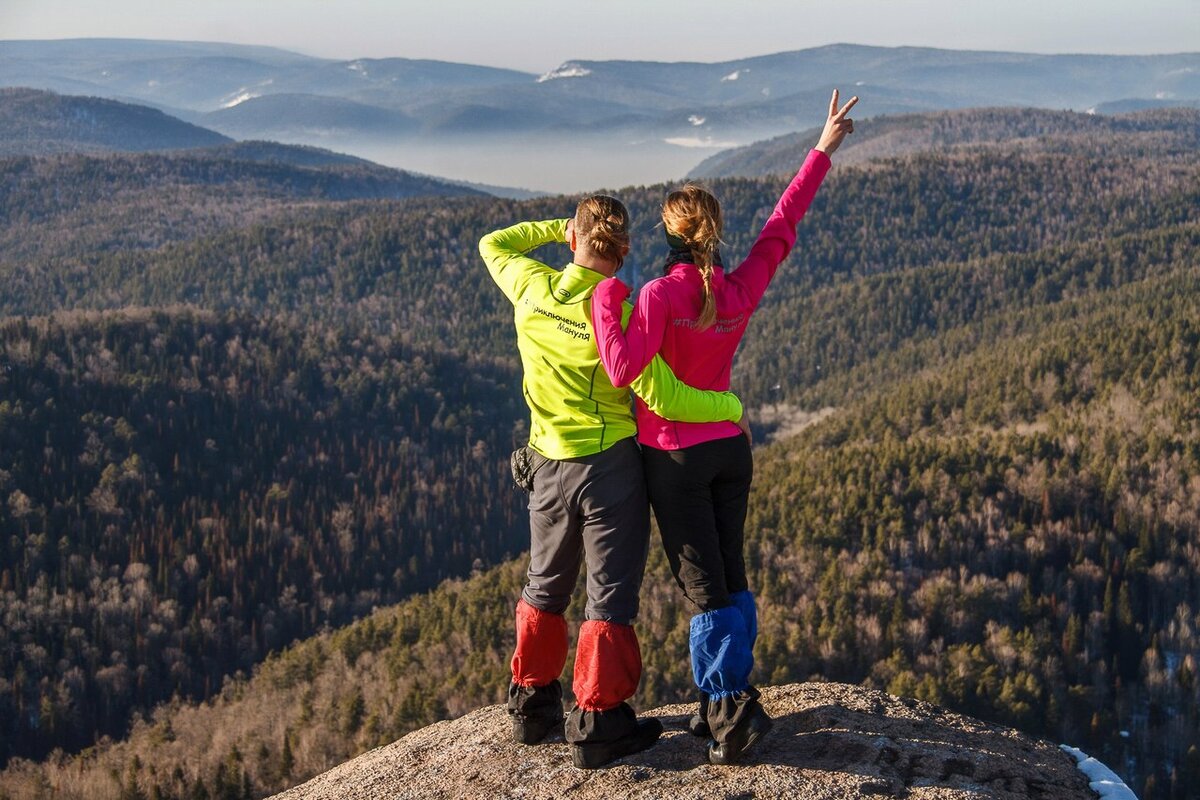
<point x="537" y="35"/>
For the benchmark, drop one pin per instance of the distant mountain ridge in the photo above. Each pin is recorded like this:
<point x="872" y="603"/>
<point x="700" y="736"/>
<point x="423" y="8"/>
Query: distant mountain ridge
<point x="634" y="121"/>
<point x="34" y="122"/>
<point x="1178" y="131"/>
<point x="87" y="176"/>
<point x="207" y="77"/>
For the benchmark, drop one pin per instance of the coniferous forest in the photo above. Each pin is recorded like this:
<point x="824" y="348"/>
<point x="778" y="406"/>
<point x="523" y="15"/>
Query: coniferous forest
<point x="248" y="427"/>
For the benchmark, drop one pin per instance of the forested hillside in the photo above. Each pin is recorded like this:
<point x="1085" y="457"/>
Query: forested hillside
<point x="996" y="511"/>
<point x="993" y="224"/>
<point x="1020" y="549"/>
<point x="68" y="210"/>
<point x="186" y="492"/>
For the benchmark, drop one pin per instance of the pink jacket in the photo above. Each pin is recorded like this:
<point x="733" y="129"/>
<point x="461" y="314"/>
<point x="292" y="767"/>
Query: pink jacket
<point x="664" y="317"/>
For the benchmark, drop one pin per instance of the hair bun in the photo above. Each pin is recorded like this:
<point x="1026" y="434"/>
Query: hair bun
<point x="603" y="223"/>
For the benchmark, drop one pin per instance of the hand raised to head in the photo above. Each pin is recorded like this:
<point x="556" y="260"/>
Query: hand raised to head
<point x="837" y="125"/>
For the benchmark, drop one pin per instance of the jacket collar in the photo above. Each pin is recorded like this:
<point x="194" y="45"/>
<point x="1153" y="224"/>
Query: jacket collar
<point x="575" y="281"/>
<point x="682" y="254"/>
<point x="689" y="268"/>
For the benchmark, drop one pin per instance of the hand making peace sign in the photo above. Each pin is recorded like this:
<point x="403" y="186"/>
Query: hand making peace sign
<point x="837" y="125"/>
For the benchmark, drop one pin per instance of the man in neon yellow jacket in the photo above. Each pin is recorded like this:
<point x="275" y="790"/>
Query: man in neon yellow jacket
<point x="588" y="495"/>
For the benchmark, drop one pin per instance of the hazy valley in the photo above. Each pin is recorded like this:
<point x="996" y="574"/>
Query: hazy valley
<point x="591" y="123"/>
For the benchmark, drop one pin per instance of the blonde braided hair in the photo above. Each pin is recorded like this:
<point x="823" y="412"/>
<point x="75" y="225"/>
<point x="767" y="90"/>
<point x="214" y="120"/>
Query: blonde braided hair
<point x="693" y="215"/>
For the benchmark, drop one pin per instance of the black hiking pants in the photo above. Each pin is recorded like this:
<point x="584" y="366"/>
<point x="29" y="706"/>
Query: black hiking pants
<point x="700" y="495"/>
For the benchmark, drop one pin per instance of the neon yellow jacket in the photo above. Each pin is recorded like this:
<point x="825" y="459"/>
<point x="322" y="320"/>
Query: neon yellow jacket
<point x="575" y="409"/>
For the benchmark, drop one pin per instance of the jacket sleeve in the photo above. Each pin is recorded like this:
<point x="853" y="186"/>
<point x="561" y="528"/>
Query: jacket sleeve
<point x="778" y="235"/>
<point x="670" y="398"/>
<point x="504" y="253"/>
<point x="625" y="351"/>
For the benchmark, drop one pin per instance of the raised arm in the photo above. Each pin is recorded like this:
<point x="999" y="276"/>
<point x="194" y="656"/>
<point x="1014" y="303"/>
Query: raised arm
<point x="504" y="253"/>
<point x="625" y="350"/>
<point x="779" y="233"/>
<point x="670" y="398"/>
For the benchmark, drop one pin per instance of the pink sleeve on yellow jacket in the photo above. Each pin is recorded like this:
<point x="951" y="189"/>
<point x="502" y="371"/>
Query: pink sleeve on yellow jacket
<point x="625" y="351"/>
<point x="779" y="233"/>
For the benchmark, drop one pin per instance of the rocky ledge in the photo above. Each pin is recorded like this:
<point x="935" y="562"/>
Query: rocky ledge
<point x="830" y="741"/>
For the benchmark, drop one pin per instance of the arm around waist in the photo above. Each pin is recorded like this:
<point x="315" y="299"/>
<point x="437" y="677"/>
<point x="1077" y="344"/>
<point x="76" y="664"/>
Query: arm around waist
<point x="670" y="398"/>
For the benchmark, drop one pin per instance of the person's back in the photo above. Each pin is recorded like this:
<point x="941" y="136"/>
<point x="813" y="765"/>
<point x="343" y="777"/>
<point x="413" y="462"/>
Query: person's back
<point x="578" y="411"/>
<point x="703" y="355"/>
<point x="700" y="357"/>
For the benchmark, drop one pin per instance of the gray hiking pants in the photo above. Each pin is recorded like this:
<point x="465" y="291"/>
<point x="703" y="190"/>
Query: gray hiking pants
<point x="593" y="507"/>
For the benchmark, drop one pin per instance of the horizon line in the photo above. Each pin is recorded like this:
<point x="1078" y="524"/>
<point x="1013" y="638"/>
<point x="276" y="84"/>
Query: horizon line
<point x="727" y="61"/>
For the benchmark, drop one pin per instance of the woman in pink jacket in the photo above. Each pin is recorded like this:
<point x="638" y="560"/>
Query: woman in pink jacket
<point x="698" y="474"/>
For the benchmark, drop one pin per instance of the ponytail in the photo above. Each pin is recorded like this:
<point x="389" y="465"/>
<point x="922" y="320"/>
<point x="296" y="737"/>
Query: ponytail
<point x="703" y="259"/>
<point x="693" y="215"/>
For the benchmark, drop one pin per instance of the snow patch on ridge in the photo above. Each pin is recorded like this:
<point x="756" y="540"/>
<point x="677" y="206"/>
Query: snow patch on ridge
<point x="1102" y="779"/>
<point x="242" y="96"/>
<point x="568" y="70"/>
<point x="733" y="76"/>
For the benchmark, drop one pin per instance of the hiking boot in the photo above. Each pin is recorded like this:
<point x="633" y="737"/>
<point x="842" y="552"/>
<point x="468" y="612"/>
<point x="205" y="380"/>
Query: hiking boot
<point x="535" y="710"/>
<point x="531" y="730"/>
<point x="596" y="754"/>
<point x="741" y="739"/>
